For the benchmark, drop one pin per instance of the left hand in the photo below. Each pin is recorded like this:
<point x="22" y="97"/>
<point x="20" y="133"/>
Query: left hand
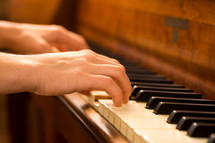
<point x="35" y="39"/>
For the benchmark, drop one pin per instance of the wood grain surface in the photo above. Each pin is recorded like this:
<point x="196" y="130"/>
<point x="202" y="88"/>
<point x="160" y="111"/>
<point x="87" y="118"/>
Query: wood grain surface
<point x="174" y="38"/>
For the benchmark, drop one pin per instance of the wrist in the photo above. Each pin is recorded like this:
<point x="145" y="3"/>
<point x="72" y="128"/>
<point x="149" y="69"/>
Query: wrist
<point x="27" y="76"/>
<point x="16" y="74"/>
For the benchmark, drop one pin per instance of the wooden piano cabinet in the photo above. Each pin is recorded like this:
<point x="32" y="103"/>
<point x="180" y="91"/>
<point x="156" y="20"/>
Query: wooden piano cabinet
<point x="62" y="119"/>
<point x="17" y="117"/>
<point x="30" y="11"/>
<point x="69" y="124"/>
<point x="30" y="119"/>
<point x="96" y="125"/>
<point x="174" y="38"/>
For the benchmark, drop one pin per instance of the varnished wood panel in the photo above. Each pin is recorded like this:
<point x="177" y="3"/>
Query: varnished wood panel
<point x="95" y="124"/>
<point x="70" y="126"/>
<point x="175" y="38"/>
<point x="63" y="119"/>
<point x="31" y="11"/>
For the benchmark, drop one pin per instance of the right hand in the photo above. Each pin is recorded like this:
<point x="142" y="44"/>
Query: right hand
<point x="81" y="71"/>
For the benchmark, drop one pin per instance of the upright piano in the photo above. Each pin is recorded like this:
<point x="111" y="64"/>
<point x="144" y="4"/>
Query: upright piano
<point x="168" y="50"/>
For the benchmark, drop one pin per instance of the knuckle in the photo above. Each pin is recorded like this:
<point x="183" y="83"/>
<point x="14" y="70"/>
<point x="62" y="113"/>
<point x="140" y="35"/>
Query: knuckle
<point x="81" y="38"/>
<point x="116" y="61"/>
<point x="120" y="71"/>
<point x="88" y="51"/>
<point x="123" y="68"/>
<point x="85" y="51"/>
<point x="58" y="30"/>
<point x="88" y="56"/>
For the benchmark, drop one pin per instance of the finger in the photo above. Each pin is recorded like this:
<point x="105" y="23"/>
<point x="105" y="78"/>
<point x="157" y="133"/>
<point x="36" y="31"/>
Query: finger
<point x="78" y="41"/>
<point x="32" y="44"/>
<point x="72" y="40"/>
<point x="44" y="47"/>
<point x="54" y="49"/>
<point x="115" y="72"/>
<point x="107" y="84"/>
<point x="59" y="35"/>
<point x="60" y="47"/>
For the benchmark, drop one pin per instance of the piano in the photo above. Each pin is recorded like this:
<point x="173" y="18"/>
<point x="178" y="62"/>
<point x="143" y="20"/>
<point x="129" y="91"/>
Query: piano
<point x="167" y="48"/>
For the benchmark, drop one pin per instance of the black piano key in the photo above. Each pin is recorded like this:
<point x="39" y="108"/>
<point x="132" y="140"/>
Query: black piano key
<point x="185" y="122"/>
<point x="211" y="138"/>
<point x="201" y="129"/>
<point x="151" y="80"/>
<point x="130" y="66"/>
<point x="137" y="88"/>
<point x="144" y="95"/>
<point x="127" y="63"/>
<point x="176" y="115"/>
<point x="157" y="84"/>
<point x="153" y="101"/>
<point x="139" y="71"/>
<point x="145" y="76"/>
<point x="168" y="107"/>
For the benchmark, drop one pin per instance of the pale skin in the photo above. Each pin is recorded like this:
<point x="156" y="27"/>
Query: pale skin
<point x="57" y="73"/>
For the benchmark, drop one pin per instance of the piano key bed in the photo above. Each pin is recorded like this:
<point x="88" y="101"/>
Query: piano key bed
<point x="159" y="111"/>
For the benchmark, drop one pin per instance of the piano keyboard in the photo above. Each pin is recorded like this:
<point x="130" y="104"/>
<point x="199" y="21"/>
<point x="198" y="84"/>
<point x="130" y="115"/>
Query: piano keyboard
<point x="159" y="110"/>
<point x="140" y="125"/>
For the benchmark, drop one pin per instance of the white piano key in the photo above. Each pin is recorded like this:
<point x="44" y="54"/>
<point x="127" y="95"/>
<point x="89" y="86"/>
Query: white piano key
<point x="124" y="128"/>
<point x="141" y="125"/>
<point x="129" y="109"/>
<point x="101" y="108"/>
<point x="109" y="114"/>
<point x="117" y="122"/>
<point x="139" y="138"/>
<point x="106" y="112"/>
<point x="149" y="123"/>
<point x="128" y="126"/>
<point x="130" y="133"/>
<point x="167" y="136"/>
<point x="112" y="117"/>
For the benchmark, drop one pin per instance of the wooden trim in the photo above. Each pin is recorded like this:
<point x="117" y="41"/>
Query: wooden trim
<point x="91" y="119"/>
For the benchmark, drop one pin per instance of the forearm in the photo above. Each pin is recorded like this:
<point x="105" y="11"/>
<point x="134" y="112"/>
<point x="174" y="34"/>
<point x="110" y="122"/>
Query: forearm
<point x="15" y="74"/>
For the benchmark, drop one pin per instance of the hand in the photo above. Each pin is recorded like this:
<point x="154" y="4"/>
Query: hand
<point x="34" y="39"/>
<point x="81" y="71"/>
